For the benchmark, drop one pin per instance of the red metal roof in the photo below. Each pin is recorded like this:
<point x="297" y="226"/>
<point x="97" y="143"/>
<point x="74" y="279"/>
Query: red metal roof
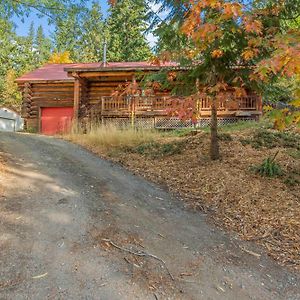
<point x="53" y="72"/>
<point x="50" y="72"/>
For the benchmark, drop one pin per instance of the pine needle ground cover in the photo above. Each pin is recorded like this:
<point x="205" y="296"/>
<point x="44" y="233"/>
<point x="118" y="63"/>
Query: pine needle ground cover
<point x="259" y="208"/>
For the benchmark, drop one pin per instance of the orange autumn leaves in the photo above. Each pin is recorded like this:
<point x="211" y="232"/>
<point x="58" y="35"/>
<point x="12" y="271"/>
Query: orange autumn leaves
<point x="206" y="23"/>
<point x="217" y="53"/>
<point x="206" y="30"/>
<point x="285" y="60"/>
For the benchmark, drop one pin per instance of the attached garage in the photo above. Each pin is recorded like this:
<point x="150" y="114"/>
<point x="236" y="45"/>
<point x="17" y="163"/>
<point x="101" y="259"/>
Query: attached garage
<point x="48" y="98"/>
<point x="55" y="120"/>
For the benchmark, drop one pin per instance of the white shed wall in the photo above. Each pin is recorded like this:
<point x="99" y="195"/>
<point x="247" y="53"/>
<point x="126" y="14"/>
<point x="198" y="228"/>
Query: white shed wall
<point x="10" y="121"/>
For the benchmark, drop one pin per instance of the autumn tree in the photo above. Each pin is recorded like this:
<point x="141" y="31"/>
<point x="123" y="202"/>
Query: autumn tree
<point x="20" y="54"/>
<point x="7" y="48"/>
<point x="10" y="95"/>
<point x="12" y="56"/>
<point x="60" y="58"/>
<point x="233" y="47"/>
<point x="127" y="25"/>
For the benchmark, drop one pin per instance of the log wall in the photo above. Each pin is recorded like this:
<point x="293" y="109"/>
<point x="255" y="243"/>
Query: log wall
<point x="44" y="94"/>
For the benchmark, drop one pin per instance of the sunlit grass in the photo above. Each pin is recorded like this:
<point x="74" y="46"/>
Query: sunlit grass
<point x="109" y="137"/>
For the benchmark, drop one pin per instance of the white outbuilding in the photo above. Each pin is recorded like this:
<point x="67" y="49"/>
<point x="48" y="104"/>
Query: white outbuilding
<point x="10" y="120"/>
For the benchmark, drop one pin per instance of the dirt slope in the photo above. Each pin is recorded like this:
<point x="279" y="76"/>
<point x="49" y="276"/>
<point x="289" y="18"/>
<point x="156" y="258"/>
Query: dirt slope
<point x="59" y="205"/>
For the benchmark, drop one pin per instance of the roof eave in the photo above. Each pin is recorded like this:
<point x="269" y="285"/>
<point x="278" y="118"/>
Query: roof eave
<point x="120" y="69"/>
<point x="19" y="81"/>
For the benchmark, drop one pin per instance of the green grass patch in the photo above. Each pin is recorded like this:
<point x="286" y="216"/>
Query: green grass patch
<point x="294" y="153"/>
<point x="292" y="180"/>
<point x="240" y="126"/>
<point x="263" y="138"/>
<point x="182" y="132"/>
<point x="156" y="150"/>
<point x="225" y="137"/>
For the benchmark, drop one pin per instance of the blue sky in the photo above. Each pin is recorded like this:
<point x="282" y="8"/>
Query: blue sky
<point x="22" y="26"/>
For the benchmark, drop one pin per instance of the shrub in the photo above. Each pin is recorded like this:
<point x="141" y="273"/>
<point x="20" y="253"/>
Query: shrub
<point x="269" y="167"/>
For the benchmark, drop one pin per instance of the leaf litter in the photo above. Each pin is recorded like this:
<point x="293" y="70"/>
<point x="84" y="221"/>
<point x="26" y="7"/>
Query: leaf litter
<point x="260" y="209"/>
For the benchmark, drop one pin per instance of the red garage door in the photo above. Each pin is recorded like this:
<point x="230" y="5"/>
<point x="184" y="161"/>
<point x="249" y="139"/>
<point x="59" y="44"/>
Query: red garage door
<point x="56" y="120"/>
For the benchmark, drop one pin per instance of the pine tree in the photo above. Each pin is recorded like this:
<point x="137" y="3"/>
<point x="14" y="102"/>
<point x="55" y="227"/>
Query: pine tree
<point x="26" y="44"/>
<point x="43" y="47"/>
<point x="67" y="33"/>
<point x="127" y="26"/>
<point x="92" y="37"/>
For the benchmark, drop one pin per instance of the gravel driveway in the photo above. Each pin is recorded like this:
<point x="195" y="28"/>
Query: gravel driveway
<point x="70" y="223"/>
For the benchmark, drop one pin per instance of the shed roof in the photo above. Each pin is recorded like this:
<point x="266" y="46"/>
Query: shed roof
<point x="58" y="72"/>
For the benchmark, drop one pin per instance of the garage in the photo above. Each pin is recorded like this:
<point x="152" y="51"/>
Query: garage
<point x="10" y="120"/>
<point x="56" y="120"/>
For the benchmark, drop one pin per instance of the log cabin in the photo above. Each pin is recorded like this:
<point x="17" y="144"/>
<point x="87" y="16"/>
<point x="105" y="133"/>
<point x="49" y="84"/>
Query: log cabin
<point x="56" y="94"/>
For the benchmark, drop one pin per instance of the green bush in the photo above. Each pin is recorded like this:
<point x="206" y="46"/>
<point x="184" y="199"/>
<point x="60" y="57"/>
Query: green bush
<point x="269" y="167"/>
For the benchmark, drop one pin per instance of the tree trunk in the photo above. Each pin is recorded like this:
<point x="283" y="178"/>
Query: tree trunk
<point x="214" y="143"/>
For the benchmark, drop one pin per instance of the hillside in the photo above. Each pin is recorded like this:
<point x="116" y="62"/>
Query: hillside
<point x="262" y="209"/>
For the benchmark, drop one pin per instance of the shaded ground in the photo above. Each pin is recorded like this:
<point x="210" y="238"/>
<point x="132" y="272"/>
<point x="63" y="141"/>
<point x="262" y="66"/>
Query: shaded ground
<point x="61" y="204"/>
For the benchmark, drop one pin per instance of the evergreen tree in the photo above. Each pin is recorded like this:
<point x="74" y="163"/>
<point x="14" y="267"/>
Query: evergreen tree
<point x="127" y="26"/>
<point x="92" y="37"/>
<point x="29" y="49"/>
<point x="43" y="47"/>
<point x="67" y="33"/>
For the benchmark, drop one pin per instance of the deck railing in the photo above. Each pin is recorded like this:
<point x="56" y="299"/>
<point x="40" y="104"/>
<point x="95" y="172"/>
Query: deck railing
<point x="251" y="102"/>
<point x="160" y="105"/>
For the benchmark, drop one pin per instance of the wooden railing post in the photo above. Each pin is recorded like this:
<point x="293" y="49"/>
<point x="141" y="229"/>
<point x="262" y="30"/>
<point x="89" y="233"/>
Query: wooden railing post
<point x="133" y="103"/>
<point x="198" y="113"/>
<point x="132" y="111"/>
<point x="76" y="99"/>
<point x="259" y="103"/>
<point x="102" y="110"/>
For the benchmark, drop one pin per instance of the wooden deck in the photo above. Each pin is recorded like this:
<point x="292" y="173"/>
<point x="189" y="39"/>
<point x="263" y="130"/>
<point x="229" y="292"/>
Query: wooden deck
<point x="159" y="106"/>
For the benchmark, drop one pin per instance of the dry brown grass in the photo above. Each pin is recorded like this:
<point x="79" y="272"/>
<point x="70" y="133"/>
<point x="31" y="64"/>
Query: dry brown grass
<point x="102" y="139"/>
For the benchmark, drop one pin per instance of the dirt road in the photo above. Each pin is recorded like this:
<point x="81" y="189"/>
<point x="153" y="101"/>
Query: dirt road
<point x="67" y="219"/>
